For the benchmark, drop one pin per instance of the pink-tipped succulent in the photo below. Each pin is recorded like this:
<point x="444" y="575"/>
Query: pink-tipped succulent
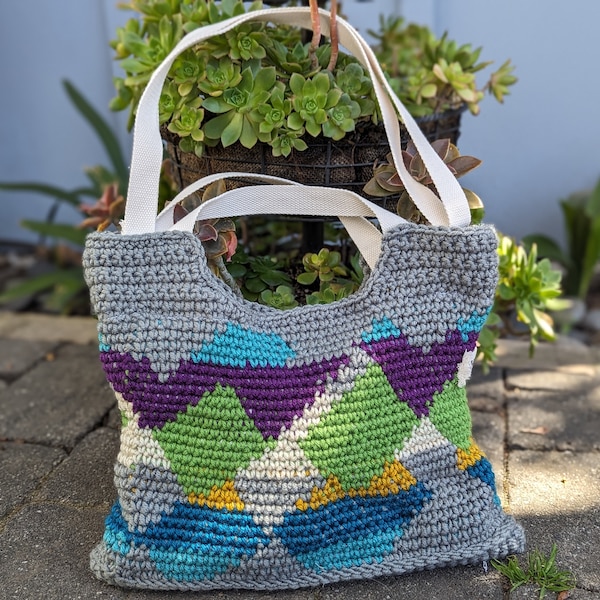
<point x="108" y="209"/>
<point x="316" y="38"/>
<point x="386" y="181"/>
<point x="218" y="236"/>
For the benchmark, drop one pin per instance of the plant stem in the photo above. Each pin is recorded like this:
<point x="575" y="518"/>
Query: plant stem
<point x="335" y="45"/>
<point x="316" y="38"/>
<point x="226" y="276"/>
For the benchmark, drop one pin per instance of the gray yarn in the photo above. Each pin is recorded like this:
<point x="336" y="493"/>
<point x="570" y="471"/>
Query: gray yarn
<point x="147" y="286"/>
<point x="157" y="300"/>
<point x="146" y="494"/>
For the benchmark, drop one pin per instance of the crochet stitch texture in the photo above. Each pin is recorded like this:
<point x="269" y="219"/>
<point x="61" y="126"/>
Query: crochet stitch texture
<point x="270" y="449"/>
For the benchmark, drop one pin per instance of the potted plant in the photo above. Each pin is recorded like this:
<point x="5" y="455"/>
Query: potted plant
<point x="580" y="258"/>
<point x="265" y="98"/>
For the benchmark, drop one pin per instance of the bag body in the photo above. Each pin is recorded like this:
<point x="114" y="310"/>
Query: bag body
<point x="280" y="449"/>
<point x="270" y="449"/>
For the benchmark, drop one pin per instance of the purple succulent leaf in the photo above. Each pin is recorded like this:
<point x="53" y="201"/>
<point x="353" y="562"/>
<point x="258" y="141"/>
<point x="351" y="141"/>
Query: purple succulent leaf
<point x="205" y="232"/>
<point x="178" y="213"/>
<point x="463" y="164"/>
<point x="441" y="147"/>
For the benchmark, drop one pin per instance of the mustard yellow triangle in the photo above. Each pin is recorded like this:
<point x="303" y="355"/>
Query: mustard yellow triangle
<point x="219" y="498"/>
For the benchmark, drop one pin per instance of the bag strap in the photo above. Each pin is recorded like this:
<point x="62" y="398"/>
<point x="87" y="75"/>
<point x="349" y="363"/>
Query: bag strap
<point x="142" y="197"/>
<point x="164" y="220"/>
<point x="298" y="199"/>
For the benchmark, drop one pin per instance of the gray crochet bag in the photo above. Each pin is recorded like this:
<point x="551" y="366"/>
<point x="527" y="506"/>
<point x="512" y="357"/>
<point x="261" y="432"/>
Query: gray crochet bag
<point x="272" y="449"/>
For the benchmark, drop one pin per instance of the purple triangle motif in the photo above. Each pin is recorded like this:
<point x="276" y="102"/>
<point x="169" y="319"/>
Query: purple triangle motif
<point x="271" y="396"/>
<point x="415" y="375"/>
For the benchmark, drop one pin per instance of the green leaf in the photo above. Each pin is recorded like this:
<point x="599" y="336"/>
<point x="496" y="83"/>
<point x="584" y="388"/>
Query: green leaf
<point x="255" y="285"/>
<point x="43" y="282"/>
<point x="546" y="248"/>
<point x="275" y="278"/>
<point x="429" y="90"/>
<point x="592" y="208"/>
<point x="215" y="127"/>
<point x="297" y="84"/>
<point x="41" y="188"/>
<point x="236" y="270"/>
<point x="64" y="292"/>
<point x="248" y="137"/>
<point x="590" y="258"/>
<point x="321" y="83"/>
<point x="216" y="105"/>
<point x="505" y="292"/>
<point x="545" y="324"/>
<point x="62" y="231"/>
<point x="558" y="304"/>
<point x="493" y="319"/>
<point x="307" y="278"/>
<point x="295" y="121"/>
<point x="133" y="65"/>
<point x="265" y="79"/>
<point x="233" y="131"/>
<point x="106" y="135"/>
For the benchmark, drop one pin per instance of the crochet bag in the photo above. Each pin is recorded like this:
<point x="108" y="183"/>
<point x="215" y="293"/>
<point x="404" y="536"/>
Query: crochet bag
<point x="269" y="449"/>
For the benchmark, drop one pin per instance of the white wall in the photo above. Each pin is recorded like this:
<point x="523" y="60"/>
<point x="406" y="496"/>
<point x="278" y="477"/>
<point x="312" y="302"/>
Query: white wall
<point x="541" y="145"/>
<point x="42" y="136"/>
<point x="537" y="148"/>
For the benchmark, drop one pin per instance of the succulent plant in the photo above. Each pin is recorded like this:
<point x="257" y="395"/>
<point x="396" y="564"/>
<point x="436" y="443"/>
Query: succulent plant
<point x="528" y="288"/>
<point x="106" y="211"/>
<point x="580" y="258"/>
<point x="261" y="82"/>
<point x="257" y="274"/>
<point x="335" y="279"/>
<point x="323" y="266"/>
<point x="218" y="236"/>
<point x="282" y="298"/>
<point x="433" y="74"/>
<point x="386" y="181"/>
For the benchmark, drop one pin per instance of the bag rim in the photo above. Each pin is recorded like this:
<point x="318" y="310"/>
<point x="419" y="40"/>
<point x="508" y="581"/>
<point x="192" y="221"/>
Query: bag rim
<point x="263" y="311"/>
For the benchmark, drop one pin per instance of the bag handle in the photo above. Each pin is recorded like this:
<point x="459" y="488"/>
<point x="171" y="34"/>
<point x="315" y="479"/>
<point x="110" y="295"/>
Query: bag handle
<point x="142" y="196"/>
<point x="349" y="207"/>
<point x="319" y="201"/>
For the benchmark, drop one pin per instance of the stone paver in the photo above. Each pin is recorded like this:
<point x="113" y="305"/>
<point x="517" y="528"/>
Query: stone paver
<point x="17" y="356"/>
<point x="544" y="420"/>
<point x="85" y="478"/>
<point x="564" y="382"/>
<point x="486" y="391"/>
<point x="58" y="401"/>
<point x="556" y="496"/>
<point x="566" y="354"/>
<point x="48" y="328"/>
<point x="532" y="592"/>
<point x="22" y="467"/>
<point x="44" y="555"/>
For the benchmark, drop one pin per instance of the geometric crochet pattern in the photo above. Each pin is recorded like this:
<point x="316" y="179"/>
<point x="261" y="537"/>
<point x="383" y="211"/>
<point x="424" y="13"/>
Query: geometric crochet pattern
<point x="267" y="449"/>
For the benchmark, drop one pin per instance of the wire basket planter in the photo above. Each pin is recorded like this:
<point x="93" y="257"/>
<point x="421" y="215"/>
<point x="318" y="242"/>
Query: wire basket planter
<point x="347" y="163"/>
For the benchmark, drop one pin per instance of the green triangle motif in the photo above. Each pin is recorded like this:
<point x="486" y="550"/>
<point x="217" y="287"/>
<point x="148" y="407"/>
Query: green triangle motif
<point x="210" y="441"/>
<point x="361" y="432"/>
<point x="450" y="414"/>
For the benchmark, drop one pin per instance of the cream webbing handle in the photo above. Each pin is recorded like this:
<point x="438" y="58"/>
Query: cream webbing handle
<point x="234" y="202"/>
<point x="295" y="199"/>
<point x="142" y="196"/>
